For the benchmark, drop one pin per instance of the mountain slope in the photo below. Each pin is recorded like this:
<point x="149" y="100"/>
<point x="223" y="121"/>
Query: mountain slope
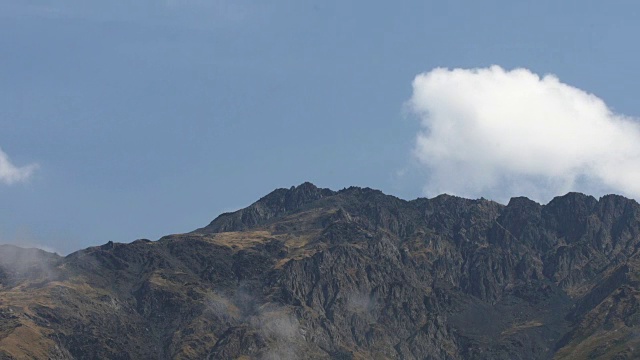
<point x="350" y="274"/>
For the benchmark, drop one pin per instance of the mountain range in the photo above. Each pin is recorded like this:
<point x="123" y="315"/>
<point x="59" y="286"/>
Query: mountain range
<point x="312" y="273"/>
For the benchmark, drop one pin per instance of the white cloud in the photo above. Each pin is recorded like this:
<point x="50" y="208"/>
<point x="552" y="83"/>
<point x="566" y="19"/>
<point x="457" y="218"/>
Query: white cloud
<point x="10" y="174"/>
<point x="496" y="133"/>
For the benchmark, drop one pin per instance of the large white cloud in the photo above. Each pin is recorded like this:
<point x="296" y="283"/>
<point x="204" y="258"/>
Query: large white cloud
<point x="496" y="133"/>
<point x="10" y="174"/>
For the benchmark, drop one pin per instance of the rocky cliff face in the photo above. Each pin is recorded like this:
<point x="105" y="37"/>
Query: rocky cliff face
<point x="353" y="274"/>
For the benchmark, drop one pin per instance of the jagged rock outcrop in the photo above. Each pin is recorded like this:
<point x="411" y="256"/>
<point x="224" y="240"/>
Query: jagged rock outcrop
<point x="351" y="274"/>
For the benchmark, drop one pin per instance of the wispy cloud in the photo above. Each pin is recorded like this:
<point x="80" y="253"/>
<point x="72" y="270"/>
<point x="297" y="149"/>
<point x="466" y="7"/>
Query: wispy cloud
<point x="11" y="174"/>
<point x="497" y="133"/>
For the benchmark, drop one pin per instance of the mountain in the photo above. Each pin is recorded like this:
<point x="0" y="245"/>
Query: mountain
<point x="313" y="273"/>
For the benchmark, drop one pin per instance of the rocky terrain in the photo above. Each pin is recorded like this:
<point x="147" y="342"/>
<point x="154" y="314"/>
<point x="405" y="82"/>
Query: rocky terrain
<point x="352" y="274"/>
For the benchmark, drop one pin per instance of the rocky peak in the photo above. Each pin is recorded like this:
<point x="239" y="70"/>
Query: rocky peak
<point x="275" y="204"/>
<point x="519" y="210"/>
<point x="567" y="215"/>
<point x="282" y="201"/>
<point x="614" y="206"/>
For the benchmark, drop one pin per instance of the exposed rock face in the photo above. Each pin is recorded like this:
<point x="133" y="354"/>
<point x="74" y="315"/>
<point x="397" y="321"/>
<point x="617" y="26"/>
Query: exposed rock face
<point x="353" y="274"/>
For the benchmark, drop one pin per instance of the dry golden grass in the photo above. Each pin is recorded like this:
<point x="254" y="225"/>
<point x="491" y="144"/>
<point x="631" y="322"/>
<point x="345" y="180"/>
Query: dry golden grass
<point x="239" y="240"/>
<point x="597" y="341"/>
<point x="298" y="238"/>
<point x="618" y="338"/>
<point x="27" y="341"/>
<point x="522" y="326"/>
<point x="297" y="244"/>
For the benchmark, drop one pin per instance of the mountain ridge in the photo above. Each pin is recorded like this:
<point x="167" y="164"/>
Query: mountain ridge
<point x="350" y="274"/>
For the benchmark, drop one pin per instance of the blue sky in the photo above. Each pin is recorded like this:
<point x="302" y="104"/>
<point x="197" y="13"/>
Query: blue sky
<point x="145" y="118"/>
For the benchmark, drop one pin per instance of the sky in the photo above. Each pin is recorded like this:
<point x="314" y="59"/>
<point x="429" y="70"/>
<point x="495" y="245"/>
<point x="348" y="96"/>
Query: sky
<point x="122" y="120"/>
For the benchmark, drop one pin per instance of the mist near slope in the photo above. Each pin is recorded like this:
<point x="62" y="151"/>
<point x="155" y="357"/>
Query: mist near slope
<point x="18" y="263"/>
<point x="273" y="322"/>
